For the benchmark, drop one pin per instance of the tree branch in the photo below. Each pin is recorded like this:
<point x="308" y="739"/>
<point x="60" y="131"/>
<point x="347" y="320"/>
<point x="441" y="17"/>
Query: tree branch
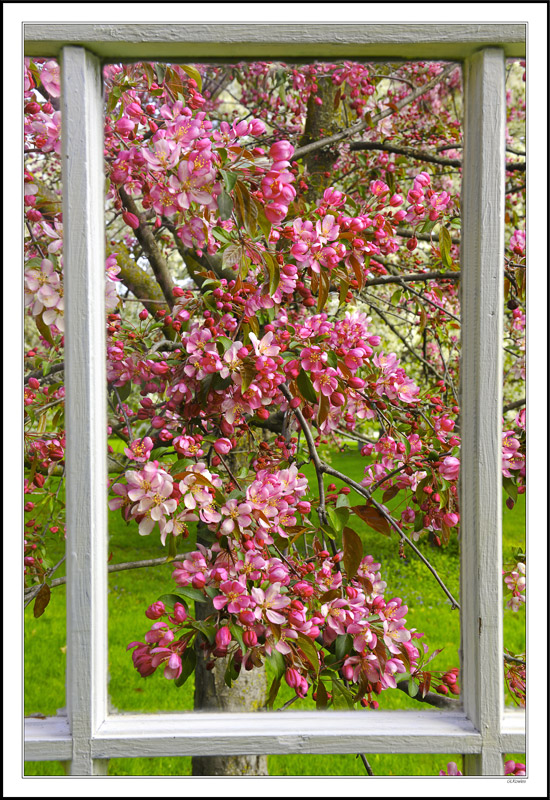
<point x="431" y="698"/>
<point x="421" y="155"/>
<point x="123" y="566"/>
<point x="417" y="276"/>
<point x="150" y="248"/>
<point x="512" y="406"/>
<point x="317" y="463"/>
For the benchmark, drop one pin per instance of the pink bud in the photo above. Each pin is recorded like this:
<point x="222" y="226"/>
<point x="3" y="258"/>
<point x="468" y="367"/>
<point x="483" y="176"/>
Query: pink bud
<point x="33" y="383"/>
<point x="246" y="616"/>
<point x="281" y="151"/>
<point x="293" y="678"/>
<point x="198" y="580"/>
<point x="337" y="399"/>
<point x="157" y="422"/>
<point x="356" y="383"/>
<point x="250" y="639"/>
<point x="143" y="314"/>
<point x="180" y="614"/>
<point x="222" y="446"/>
<point x="130" y="219"/>
<point x="223" y="637"/>
<point x="156" y="610"/>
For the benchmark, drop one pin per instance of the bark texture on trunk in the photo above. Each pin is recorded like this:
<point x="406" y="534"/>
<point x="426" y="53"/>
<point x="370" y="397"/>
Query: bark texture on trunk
<point x="322" y="120"/>
<point x="248" y="692"/>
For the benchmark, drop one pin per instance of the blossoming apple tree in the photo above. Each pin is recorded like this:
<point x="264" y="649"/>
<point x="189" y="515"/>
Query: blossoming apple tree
<point x="282" y="276"/>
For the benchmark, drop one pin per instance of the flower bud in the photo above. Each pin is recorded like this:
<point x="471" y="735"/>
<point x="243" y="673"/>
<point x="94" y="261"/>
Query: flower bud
<point x="222" y="446"/>
<point x="130" y="219"/>
<point x="250" y="639"/>
<point x="156" y="610"/>
<point x="223" y="637"/>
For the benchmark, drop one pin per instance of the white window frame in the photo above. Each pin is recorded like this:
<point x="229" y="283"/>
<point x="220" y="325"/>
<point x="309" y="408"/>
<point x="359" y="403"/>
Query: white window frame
<point x="89" y="734"/>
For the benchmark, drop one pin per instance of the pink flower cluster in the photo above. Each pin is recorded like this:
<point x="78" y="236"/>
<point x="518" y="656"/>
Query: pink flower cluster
<point x="515" y="582"/>
<point x="262" y="596"/>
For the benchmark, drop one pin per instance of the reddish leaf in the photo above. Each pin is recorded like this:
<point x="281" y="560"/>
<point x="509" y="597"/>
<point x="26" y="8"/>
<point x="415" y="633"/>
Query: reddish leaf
<point x="353" y="551"/>
<point x="324" y="283"/>
<point x="373" y="518"/>
<point x="324" y="408"/>
<point x="41" y="601"/>
<point x="332" y="594"/>
<point x="389" y="494"/>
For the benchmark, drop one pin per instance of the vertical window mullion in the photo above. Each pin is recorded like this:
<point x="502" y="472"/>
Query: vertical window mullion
<point x="85" y="381"/>
<point x="482" y="259"/>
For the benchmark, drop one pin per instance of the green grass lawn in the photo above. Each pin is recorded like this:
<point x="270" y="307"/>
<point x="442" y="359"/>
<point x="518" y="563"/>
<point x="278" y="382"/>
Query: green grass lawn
<point x="132" y="591"/>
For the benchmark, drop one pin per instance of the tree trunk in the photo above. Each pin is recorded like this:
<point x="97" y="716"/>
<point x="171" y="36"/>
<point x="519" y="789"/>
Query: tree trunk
<point x="322" y="120"/>
<point x="248" y="692"/>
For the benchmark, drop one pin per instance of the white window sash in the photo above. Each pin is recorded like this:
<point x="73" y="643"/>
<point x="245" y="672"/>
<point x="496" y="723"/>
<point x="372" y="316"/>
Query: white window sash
<point x="88" y="736"/>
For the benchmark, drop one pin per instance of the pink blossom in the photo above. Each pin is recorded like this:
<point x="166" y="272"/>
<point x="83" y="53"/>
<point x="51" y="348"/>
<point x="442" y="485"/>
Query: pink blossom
<point x="452" y="770"/>
<point x="233" y="594"/>
<point x="270" y="601"/>
<point x="450" y="468"/>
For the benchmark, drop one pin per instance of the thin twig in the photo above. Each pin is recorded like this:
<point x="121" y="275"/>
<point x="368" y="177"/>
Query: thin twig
<point x="321" y="510"/>
<point x="151" y="562"/>
<point x="366" y="764"/>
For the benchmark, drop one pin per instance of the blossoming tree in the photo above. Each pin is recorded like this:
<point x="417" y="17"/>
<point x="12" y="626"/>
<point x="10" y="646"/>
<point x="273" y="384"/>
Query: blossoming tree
<point x="291" y="235"/>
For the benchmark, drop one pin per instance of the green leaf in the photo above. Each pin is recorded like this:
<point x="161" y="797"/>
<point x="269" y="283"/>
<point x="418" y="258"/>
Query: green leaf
<point x="353" y="551"/>
<point x="225" y="205"/>
<point x="273" y="691"/>
<point x="222" y="236"/>
<point x="170" y="601"/>
<point x="263" y="222"/>
<point x="231" y="673"/>
<point x="309" y="650"/>
<point x="342" y="501"/>
<point x="229" y="179"/>
<point x="188" y="661"/>
<point x="160" y="72"/>
<point x="277" y="663"/>
<point x="193" y="73"/>
<point x="207" y="629"/>
<point x="237" y="633"/>
<point x="211" y="591"/>
<point x="322" y="696"/>
<point x="193" y="594"/>
<point x="413" y="688"/>
<point x="341" y="697"/>
<point x="305" y="386"/>
<point x="445" y="244"/>
<point x="123" y="392"/>
<point x="510" y="488"/>
<point x="274" y="272"/>
<point x="342" y="646"/>
<point x="338" y="517"/>
<point x="332" y="359"/>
